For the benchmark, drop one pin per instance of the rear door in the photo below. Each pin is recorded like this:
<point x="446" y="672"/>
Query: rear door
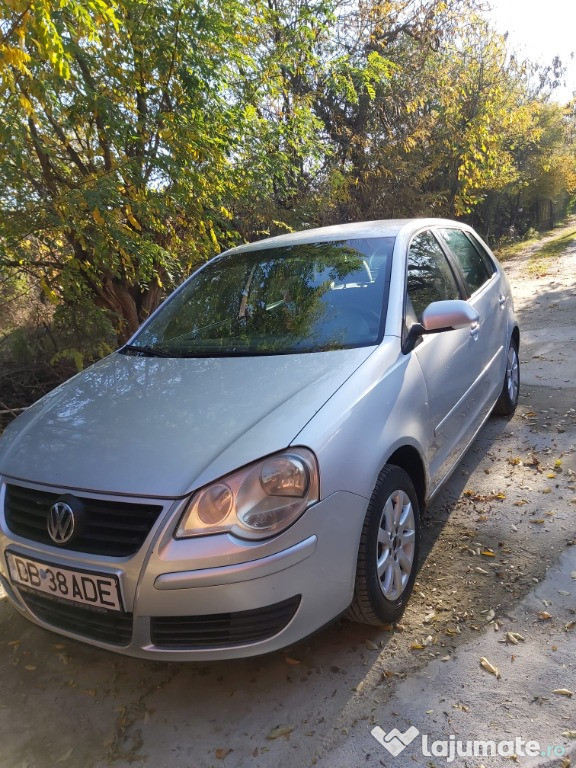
<point x="483" y="284"/>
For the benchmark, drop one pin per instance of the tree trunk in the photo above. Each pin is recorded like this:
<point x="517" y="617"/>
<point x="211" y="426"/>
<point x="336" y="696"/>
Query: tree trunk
<point x="130" y="305"/>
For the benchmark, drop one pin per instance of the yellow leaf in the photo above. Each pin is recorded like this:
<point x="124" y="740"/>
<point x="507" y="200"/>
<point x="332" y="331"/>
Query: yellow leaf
<point x="97" y="216"/>
<point x="130" y="216"/>
<point x="51" y="295"/>
<point x="26" y="104"/>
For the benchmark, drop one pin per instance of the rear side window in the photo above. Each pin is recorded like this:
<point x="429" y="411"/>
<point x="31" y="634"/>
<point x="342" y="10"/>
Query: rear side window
<point x="430" y="277"/>
<point x="488" y="260"/>
<point x="475" y="270"/>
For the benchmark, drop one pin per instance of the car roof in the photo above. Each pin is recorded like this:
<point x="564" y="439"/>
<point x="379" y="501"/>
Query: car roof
<point x="356" y="230"/>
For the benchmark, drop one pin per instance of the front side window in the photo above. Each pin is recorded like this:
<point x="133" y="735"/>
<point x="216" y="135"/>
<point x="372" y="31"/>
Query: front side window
<point x="471" y="263"/>
<point x="430" y="277"/>
<point x="301" y="298"/>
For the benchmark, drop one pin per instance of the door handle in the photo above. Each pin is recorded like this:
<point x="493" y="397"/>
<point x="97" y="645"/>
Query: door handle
<point x="475" y="330"/>
<point x="501" y="300"/>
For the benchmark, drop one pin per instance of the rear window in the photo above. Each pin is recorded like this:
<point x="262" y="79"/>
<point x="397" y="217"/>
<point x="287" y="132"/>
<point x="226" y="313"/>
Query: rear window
<point x="472" y="264"/>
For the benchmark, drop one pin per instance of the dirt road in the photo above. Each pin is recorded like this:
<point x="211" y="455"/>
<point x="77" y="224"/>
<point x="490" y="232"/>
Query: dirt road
<point x="499" y="563"/>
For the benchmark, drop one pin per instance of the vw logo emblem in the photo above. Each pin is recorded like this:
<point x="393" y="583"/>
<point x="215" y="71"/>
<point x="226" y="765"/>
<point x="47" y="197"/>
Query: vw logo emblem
<point x="60" y="522"/>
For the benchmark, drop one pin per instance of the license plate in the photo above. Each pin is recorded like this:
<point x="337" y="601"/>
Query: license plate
<point x="85" y="587"/>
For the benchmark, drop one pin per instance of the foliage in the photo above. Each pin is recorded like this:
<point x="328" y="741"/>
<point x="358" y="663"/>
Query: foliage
<point x="114" y="163"/>
<point x="138" y="138"/>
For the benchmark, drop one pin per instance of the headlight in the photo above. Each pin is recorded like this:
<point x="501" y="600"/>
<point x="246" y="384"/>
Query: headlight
<point x="257" y="501"/>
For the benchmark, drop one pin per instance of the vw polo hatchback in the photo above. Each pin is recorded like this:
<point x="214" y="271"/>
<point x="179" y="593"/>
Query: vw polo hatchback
<point x="254" y="462"/>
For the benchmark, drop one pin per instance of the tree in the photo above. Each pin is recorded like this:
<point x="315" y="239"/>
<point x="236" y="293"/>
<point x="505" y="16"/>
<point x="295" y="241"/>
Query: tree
<point x="116" y="150"/>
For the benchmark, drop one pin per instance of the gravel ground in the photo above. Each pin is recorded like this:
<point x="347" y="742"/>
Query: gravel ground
<point x="498" y="564"/>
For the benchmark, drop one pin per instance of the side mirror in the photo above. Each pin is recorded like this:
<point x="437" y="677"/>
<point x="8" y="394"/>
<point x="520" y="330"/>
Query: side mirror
<point x="448" y="316"/>
<point x="441" y="316"/>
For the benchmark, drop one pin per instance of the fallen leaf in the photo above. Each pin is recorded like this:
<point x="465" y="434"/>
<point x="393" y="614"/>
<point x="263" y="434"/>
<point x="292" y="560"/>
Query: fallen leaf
<point x="540" y="521"/>
<point x="221" y="752"/>
<point x="544" y="615"/>
<point x="488" y="553"/>
<point x="30" y="667"/>
<point x="290" y="660"/>
<point x="563" y="692"/>
<point x="370" y="645"/>
<point x="490" y="615"/>
<point x="569" y="625"/>
<point x="512" y="637"/>
<point x="569" y="734"/>
<point x="65" y="756"/>
<point x="280" y="730"/>
<point x="480" y="570"/>
<point x="485" y="664"/>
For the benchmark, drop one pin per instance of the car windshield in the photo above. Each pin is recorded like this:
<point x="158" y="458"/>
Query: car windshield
<point x="301" y="298"/>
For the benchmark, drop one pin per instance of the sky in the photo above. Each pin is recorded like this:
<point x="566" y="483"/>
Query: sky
<point x="539" y="31"/>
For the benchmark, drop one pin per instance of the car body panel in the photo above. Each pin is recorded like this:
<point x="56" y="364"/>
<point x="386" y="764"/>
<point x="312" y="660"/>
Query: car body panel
<point x="207" y="417"/>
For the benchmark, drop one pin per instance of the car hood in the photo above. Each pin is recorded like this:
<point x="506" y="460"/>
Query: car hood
<point x="163" y="426"/>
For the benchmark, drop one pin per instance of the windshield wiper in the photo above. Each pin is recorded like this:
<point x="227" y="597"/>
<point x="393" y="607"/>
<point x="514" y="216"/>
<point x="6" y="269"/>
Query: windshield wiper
<point x="147" y="351"/>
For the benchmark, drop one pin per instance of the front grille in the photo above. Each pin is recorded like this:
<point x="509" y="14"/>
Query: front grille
<point x="112" y="628"/>
<point x="222" y="629"/>
<point x="114" y="528"/>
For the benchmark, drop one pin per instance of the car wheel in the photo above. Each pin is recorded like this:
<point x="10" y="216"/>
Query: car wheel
<point x="388" y="553"/>
<point x="508" y="400"/>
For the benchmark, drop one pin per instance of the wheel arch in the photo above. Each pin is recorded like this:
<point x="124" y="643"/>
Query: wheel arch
<point x="516" y="336"/>
<point x="408" y="458"/>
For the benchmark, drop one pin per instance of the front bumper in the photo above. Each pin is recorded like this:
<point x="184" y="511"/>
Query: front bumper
<point x="210" y="597"/>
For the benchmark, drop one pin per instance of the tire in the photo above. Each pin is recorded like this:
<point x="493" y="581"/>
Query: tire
<point x="508" y="400"/>
<point x="380" y="598"/>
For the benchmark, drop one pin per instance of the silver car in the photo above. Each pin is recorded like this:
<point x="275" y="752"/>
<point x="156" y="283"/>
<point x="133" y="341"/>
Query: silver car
<point x="255" y="461"/>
